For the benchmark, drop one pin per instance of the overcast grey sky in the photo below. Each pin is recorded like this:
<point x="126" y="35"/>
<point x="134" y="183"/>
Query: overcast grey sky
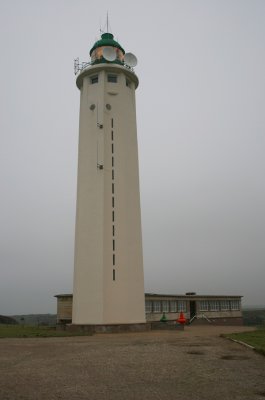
<point x="201" y="129"/>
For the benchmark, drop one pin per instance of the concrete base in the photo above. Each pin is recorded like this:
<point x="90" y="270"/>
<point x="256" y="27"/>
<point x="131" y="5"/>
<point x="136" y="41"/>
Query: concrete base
<point x="113" y="328"/>
<point x="120" y="328"/>
<point x="218" y="321"/>
<point x="167" y="326"/>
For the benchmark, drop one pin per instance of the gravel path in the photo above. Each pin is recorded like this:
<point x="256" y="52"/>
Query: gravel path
<point x="189" y="365"/>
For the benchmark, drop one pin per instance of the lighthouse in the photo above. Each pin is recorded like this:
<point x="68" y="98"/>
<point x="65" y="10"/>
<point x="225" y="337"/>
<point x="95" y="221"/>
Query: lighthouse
<point x="108" y="270"/>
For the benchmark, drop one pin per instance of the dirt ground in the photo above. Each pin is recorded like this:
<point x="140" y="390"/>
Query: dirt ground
<point x="189" y="365"/>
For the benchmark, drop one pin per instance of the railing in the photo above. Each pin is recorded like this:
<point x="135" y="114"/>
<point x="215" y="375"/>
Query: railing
<point x="79" y="67"/>
<point x="199" y="317"/>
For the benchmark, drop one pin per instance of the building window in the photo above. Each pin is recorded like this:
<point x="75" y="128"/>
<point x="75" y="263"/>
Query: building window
<point x="113" y="274"/>
<point x="113" y="174"/>
<point x="113" y="219"/>
<point x="225" y="305"/>
<point x="204" y="305"/>
<point x="113" y="188"/>
<point x="113" y="202"/>
<point x="128" y="83"/>
<point x="113" y="259"/>
<point x="112" y="122"/>
<point x="173" y="306"/>
<point x="112" y="78"/>
<point x="235" y="305"/>
<point x="214" y="305"/>
<point x="112" y="161"/>
<point x="157" y="306"/>
<point x="182" y="306"/>
<point x="113" y="230"/>
<point x="94" y="79"/>
<point x="112" y="135"/>
<point x="112" y="148"/>
<point x="165" y="306"/>
<point x="148" y="306"/>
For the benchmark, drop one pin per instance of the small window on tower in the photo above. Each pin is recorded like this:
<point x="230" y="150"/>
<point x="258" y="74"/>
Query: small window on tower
<point x="94" y="79"/>
<point x="112" y="78"/>
<point x="128" y="83"/>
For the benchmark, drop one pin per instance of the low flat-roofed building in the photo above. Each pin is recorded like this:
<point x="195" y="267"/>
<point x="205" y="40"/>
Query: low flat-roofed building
<point x="223" y="310"/>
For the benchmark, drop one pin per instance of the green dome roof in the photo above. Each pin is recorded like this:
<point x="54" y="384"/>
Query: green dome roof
<point x="106" y="40"/>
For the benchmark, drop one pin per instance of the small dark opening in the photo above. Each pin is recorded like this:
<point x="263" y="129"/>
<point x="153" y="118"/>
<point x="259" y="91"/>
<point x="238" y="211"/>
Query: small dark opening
<point x="113" y="274"/>
<point x="192" y="309"/>
<point x="112" y="78"/>
<point x="94" y="79"/>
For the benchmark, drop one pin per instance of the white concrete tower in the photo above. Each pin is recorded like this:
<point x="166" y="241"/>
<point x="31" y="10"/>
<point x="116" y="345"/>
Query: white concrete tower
<point x="108" y="274"/>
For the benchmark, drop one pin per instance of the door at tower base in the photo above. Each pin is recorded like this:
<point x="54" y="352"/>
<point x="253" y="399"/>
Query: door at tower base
<point x="108" y="274"/>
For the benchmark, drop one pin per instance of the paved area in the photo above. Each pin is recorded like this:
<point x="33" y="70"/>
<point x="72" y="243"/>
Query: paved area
<point x="190" y="365"/>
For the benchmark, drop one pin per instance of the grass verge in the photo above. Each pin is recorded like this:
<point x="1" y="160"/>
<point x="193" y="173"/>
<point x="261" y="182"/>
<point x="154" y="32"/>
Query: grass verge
<point x="254" y="338"/>
<point x="19" y="331"/>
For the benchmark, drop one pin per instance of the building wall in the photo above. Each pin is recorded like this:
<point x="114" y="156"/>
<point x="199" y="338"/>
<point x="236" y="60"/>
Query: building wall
<point x="172" y="306"/>
<point x="204" y="307"/>
<point x="64" y="308"/>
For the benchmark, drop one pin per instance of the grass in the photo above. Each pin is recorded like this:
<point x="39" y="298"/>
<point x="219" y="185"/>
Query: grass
<point x="255" y="339"/>
<point x="19" y="331"/>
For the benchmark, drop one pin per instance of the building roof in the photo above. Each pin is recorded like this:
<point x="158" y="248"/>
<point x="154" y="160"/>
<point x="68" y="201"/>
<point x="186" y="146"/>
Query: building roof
<point x="189" y="296"/>
<point x="186" y="296"/>
<point x="106" y="40"/>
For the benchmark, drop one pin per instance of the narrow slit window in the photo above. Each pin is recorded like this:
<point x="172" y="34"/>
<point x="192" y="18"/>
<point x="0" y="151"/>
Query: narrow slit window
<point x="113" y="188"/>
<point x="113" y="216"/>
<point x="113" y="161"/>
<point x="113" y="259"/>
<point x="112" y="148"/>
<point x="112" y="135"/>
<point x="128" y="83"/>
<point x="112" y="78"/>
<point x="113" y="245"/>
<point x="112" y="122"/>
<point x="113" y="202"/>
<point x="113" y="174"/>
<point x="113" y="274"/>
<point x="94" y="79"/>
<point x="113" y="230"/>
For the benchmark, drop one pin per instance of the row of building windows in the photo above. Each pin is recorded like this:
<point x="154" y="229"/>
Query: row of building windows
<point x="159" y="306"/>
<point x="156" y="306"/>
<point x="219" y="305"/>
<point x="110" y="78"/>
